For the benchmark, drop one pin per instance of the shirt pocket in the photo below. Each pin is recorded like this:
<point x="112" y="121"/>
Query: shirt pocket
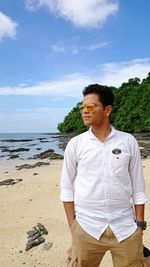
<point x="118" y="164"/>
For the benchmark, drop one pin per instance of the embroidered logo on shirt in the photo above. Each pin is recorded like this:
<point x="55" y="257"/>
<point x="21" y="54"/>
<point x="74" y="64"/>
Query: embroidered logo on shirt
<point x="116" y="151"/>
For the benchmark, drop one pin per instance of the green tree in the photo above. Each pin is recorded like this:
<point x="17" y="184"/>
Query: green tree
<point x="131" y="111"/>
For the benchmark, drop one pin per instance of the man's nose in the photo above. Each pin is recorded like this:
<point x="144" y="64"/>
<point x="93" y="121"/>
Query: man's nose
<point x="85" y="110"/>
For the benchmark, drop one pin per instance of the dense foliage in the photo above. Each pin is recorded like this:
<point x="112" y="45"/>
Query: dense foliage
<point x="131" y="111"/>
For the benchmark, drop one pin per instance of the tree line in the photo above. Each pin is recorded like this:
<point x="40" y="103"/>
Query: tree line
<point x="131" y="111"/>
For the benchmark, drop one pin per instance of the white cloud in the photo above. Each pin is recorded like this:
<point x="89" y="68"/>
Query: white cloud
<point x="41" y="119"/>
<point x="97" y="46"/>
<point x="58" y="48"/>
<point x="114" y="74"/>
<point x="32" y="5"/>
<point x="8" y="27"/>
<point x="71" y="47"/>
<point x="67" y="86"/>
<point x="63" y="48"/>
<point x="85" y="13"/>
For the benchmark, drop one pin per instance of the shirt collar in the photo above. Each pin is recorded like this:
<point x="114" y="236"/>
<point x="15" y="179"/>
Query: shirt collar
<point x="92" y="136"/>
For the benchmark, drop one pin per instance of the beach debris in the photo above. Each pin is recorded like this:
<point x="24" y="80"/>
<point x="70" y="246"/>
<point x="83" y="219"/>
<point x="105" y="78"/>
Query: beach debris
<point x="35" y="236"/>
<point x="10" y="182"/>
<point x="30" y="166"/>
<point x="35" y="173"/>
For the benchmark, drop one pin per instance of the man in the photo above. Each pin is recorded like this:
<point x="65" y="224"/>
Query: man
<point x="102" y="188"/>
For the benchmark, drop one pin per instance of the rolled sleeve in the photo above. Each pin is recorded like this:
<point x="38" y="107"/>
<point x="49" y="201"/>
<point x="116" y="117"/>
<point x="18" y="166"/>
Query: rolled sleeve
<point x="139" y="198"/>
<point x="68" y="173"/>
<point x="136" y="171"/>
<point x="66" y="195"/>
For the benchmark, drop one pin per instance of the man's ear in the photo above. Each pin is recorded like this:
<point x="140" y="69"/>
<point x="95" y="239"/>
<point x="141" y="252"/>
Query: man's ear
<point x="108" y="110"/>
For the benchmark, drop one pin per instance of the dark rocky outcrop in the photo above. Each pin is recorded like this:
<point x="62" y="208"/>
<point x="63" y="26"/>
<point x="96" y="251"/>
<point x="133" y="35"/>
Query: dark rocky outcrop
<point x="13" y="156"/>
<point x="17" y="140"/>
<point x="64" y="139"/>
<point x="144" y="149"/>
<point x="35" y="236"/>
<point x="31" y="166"/>
<point x="21" y="149"/>
<point x="34" y="242"/>
<point x="144" y="144"/>
<point x="10" y="182"/>
<point x="3" y="147"/>
<point x="48" y="154"/>
<point x="31" y="145"/>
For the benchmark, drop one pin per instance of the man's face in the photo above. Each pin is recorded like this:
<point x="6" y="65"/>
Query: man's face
<point x="99" y="116"/>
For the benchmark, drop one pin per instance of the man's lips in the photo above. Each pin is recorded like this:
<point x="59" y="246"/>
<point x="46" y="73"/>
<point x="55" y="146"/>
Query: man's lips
<point x="86" y="117"/>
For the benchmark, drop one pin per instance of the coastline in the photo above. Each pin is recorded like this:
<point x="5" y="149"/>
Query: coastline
<point x="36" y="200"/>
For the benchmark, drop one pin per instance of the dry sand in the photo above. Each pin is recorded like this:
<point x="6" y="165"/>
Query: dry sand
<point x="36" y="199"/>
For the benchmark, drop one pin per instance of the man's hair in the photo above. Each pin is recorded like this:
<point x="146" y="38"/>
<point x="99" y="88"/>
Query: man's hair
<point x="105" y="94"/>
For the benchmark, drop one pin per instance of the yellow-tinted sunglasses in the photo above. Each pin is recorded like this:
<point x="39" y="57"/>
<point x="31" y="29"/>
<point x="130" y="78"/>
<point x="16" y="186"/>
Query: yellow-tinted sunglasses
<point x="90" y="107"/>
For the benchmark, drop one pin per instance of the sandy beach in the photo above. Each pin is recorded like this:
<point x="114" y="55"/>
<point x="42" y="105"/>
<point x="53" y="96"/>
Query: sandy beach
<point x="36" y="200"/>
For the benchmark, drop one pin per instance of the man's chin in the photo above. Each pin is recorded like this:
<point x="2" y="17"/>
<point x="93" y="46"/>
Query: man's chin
<point x="86" y="123"/>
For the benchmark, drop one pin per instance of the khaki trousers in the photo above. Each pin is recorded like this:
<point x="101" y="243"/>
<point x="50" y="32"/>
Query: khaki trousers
<point x="87" y="251"/>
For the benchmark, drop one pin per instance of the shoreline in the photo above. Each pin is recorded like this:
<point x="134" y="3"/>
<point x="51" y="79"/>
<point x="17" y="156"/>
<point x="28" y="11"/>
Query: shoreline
<point x="36" y="200"/>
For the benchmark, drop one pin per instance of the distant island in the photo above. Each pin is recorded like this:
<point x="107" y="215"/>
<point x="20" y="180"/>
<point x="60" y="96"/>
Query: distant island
<point x="131" y="111"/>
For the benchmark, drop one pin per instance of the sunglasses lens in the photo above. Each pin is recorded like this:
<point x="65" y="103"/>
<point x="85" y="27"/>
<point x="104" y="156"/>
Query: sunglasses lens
<point x="90" y="108"/>
<point x="81" y="108"/>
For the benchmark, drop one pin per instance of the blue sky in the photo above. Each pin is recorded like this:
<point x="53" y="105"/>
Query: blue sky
<point x="51" y="49"/>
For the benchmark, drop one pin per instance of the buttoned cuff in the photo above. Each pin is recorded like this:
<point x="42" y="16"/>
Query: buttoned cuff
<point x="67" y="195"/>
<point x="139" y="198"/>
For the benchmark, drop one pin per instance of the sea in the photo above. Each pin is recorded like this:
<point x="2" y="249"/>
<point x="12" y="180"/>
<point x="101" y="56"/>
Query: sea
<point x="35" y="142"/>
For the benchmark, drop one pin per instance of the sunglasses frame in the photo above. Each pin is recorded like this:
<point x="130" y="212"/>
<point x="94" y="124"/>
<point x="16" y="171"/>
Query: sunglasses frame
<point x="83" y="106"/>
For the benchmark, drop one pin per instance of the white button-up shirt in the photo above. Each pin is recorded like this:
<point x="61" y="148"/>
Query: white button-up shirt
<point x="104" y="180"/>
